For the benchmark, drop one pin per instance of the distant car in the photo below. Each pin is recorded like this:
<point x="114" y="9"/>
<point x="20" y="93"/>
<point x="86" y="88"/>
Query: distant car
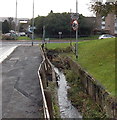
<point x="7" y="34"/>
<point x="12" y="34"/>
<point x="106" y="36"/>
<point x="22" y="34"/>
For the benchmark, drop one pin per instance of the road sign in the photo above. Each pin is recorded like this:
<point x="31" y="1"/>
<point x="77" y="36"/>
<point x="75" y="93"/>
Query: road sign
<point x="75" y="24"/>
<point x="74" y="16"/>
<point x="60" y="33"/>
<point x="23" y="21"/>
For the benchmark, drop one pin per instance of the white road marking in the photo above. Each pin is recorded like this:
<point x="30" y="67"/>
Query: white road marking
<point x="5" y="54"/>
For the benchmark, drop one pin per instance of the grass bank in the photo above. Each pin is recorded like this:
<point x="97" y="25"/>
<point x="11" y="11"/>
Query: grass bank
<point x="97" y="57"/>
<point x="93" y="37"/>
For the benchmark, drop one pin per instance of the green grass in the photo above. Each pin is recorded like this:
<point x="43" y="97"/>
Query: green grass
<point x="98" y="58"/>
<point x="89" y="38"/>
<point x="93" y="37"/>
<point x="57" y="45"/>
<point x="80" y="38"/>
<point x="27" y="38"/>
<point x="38" y="38"/>
<point x="23" y="38"/>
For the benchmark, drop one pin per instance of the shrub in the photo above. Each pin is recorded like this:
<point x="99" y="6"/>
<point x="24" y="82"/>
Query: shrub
<point x="5" y="37"/>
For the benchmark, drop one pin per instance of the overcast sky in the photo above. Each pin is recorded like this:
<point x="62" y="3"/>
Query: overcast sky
<point x="42" y="7"/>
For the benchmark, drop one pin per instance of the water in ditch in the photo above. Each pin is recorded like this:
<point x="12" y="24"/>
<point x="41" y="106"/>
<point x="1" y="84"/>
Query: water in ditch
<point x="67" y="110"/>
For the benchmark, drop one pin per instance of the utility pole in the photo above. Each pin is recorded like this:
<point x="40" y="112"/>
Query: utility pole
<point x="33" y="25"/>
<point x="16" y="20"/>
<point x="76" y="32"/>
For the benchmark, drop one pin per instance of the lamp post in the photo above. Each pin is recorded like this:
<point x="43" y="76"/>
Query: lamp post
<point x="70" y="30"/>
<point x="43" y="40"/>
<point x="16" y="19"/>
<point x="33" y="25"/>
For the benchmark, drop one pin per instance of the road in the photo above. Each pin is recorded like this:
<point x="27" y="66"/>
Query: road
<point x="23" y="42"/>
<point x="6" y="47"/>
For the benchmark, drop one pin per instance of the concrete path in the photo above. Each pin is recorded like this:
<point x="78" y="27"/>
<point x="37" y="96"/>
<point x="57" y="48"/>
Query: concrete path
<point x="21" y="93"/>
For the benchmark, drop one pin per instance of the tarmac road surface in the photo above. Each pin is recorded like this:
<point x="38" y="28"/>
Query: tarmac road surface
<point x="21" y="93"/>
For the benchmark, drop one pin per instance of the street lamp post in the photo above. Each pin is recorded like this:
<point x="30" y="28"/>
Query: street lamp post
<point x="33" y="25"/>
<point x="70" y="30"/>
<point x="16" y="19"/>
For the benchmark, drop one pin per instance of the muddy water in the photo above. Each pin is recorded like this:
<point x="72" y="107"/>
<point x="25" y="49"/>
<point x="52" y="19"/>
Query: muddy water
<point x="67" y="110"/>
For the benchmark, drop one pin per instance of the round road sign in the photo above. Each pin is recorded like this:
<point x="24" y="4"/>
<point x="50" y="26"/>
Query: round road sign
<point x="75" y="25"/>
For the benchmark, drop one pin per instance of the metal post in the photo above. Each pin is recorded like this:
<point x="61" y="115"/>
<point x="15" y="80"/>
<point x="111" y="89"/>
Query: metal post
<point x="43" y="35"/>
<point x="16" y="20"/>
<point x="70" y="30"/>
<point x="33" y="25"/>
<point x="76" y="32"/>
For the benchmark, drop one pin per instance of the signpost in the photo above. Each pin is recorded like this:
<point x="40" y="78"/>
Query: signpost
<point x="60" y="33"/>
<point x="75" y="17"/>
<point x="77" y="32"/>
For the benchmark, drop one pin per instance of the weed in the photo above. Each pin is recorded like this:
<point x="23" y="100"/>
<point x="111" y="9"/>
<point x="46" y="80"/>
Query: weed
<point x="81" y="100"/>
<point x="52" y="88"/>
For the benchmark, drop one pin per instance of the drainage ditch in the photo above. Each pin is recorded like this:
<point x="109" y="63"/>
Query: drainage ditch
<point x="67" y="110"/>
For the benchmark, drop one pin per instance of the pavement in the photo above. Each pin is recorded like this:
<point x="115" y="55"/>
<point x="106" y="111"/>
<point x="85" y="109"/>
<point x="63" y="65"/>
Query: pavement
<point x="21" y="92"/>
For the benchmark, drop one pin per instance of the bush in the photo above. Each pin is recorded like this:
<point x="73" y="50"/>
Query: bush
<point x="5" y="37"/>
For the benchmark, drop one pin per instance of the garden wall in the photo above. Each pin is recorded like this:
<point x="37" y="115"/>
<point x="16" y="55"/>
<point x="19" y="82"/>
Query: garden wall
<point x="97" y="92"/>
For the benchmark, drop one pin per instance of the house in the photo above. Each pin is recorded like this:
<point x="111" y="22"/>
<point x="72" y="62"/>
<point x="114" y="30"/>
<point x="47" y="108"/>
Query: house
<point x="107" y="24"/>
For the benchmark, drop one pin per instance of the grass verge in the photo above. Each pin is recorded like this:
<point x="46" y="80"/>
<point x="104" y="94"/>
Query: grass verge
<point x="27" y="38"/>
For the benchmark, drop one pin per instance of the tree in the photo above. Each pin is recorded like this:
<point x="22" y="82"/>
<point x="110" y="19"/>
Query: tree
<point x="86" y="25"/>
<point x="11" y="23"/>
<point x="104" y="8"/>
<point x="57" y="22"/>
<point x="61" y="22"/>
<point x="39" y="23"/>
<point x="5" y="27"/>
